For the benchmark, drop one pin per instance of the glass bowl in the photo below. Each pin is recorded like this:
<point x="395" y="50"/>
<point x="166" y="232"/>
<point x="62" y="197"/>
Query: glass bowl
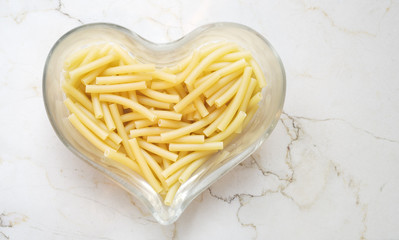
<point x="167" y="54"/>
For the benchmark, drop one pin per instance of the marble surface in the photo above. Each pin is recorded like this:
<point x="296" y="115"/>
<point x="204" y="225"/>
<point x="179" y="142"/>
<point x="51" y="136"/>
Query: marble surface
<point x="328" y="171"/>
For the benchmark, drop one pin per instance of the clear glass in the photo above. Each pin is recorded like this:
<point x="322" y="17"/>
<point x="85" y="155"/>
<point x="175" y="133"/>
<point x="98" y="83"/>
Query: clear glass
<point x="167" y="54"/>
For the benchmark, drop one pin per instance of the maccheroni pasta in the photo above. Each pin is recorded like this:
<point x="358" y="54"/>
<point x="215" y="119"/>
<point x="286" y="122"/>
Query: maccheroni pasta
<point x="162" y="123"/>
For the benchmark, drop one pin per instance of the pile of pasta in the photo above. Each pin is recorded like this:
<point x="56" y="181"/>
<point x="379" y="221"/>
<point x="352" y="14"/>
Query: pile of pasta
<point x="162" y="123"/>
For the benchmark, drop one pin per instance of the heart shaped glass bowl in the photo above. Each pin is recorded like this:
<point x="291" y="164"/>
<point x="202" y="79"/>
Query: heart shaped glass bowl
<point x="167" y="54"/>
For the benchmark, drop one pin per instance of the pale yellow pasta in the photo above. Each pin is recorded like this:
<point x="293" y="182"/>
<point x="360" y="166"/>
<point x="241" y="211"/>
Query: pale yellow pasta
<point x="227" y="95"/>
<point x="201" y="109"/>
<point x="184" y="139"/>
<point x="208" y="83"/>
<point x="121" y="108"/>
<point x="168" y="120"/>
<point x="189" y="109"/>
<point x="199" y="131"/>
<point x="210" y="47"/>
<point x="167" y="114"/>
<point x="172" y="91"/>
<point x="98" y="112"/>
<point x="144" y="123"/>
<point x="121" y="130"/>
<point x="191" y="169"/>
<point x="180" y="77"/>
<point x="113" y="145"/>
<point x="221" y="83"/>
<point x="182" y="154"/>
<point x="171" y="194"/>
<point x="195" y="146"/>
<point x="155" y="168"/>
<point x="148" y="131"/>
<point x="129" y="69"/>
<point x="228" y="88"/>
<point x="123" y="79"/>
<point x="216" y="66"/>
<point x="116" y="87"/>
<point x="248" y="94"/>
<point x="207" y="61"/>
<point x="174" y="177"/>
<point x="166" y="163"/>
<point x="211" y="128"/>
<point x="171" y="123"/>
<point x="199" y="104"/>
<point x="258" y="73"/>
<point x="93" y="139"/>
<point x="168" y="77"/>
<point x="66" y="77"/>
<point x="90" y="124"/>
<point x="124" y="55"/>
<point x="163" y="194"/>
<point x="196" y="92"/>
<point x="201" y="80"/>
<point x="181" y="65"/>
<point x="158" y="150"/>
<point x="129" y="103"/>
<point x="81" y="89"/>
<point x="237" y="121"/>
<point x="105" y="50"/>
<point x="129" y="126"/>
<point x="138" y="154"/>
<point x="255" y="100"/>
<point x="112" y="135"/>
<point x="75" y="58"/>
<point x="190" y="117"/>
<point x="236" y="56"/>
<point x="163" y="97"/>
<point x="91" y="76"/>
<point x="163" y="145"/>
<point x="159" y="85"/>
<point x="77" y="95"/>
<point x="194" y="62"/>
<point x="235" y="103"/>
<point x="157" y="158"/>
<point x="180" y="89"/>
<point x="184" y="161"/>
<point x="152" y="102"/>
<point x="123" y="159"/>
<point x="125" y="95"/>
<point x="91" y="55"/>
<point x="250" y="114"/>
<point x="235" y="66"/>
<point x="197" y="116"/>
<point x="211" y="108"/>
<point x="91" y="66"/>
<point x="192" y="127"/>
<point x="107" y="117"/>
<point x="132" y="116"/>
<point x="132" y="95"/>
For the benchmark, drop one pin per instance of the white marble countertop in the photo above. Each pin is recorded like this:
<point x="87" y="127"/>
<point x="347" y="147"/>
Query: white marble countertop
<point x="328" y="171"/>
